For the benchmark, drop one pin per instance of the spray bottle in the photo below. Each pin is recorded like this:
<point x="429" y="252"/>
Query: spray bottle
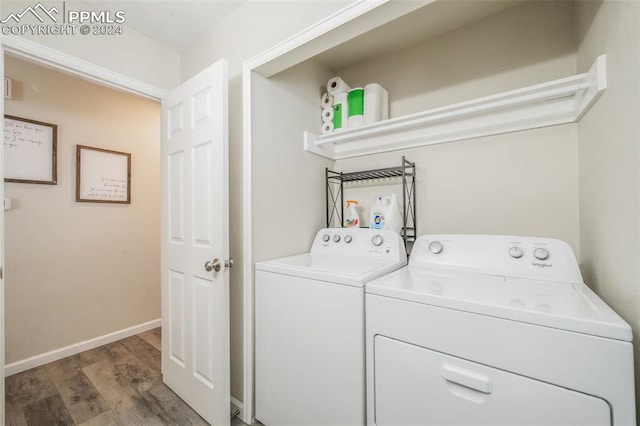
<point x="354" y="220"/>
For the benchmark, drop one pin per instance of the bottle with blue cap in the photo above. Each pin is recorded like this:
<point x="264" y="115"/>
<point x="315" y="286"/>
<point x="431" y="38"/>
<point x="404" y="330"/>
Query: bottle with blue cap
<point x="378" y="213"/>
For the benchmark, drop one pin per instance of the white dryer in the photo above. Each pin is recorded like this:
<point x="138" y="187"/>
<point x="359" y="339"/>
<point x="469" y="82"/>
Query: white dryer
<point x="494" y="330"/>
<point x="309" y="327"/>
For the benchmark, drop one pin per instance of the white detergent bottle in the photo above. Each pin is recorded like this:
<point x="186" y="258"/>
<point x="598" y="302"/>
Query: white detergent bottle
<point x="394" y="216"/>
<point x="378" y="217"/>
<point x="354" y="220"/>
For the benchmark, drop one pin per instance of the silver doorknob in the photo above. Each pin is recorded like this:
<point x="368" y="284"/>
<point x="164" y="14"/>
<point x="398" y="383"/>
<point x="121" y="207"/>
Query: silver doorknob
<point x="212" y="265"/>
<point x="229" y="263"/>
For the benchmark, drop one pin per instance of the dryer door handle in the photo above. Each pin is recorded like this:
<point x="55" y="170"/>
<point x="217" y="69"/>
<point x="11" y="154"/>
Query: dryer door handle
<point x="467" y="378"/>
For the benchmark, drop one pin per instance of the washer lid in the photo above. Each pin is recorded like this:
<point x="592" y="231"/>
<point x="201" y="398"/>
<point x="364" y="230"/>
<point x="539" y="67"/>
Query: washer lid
<point x="565" y="306"/>
<point x="354" y="271"/>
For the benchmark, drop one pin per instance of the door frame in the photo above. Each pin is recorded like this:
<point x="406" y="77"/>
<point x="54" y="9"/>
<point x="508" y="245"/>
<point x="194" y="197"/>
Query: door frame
<point x="51" y="58"/>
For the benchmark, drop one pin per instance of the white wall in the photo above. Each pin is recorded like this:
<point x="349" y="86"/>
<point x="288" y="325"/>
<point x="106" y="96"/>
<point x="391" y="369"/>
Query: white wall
<point x="288" y="184"/>
<point x="242" y="35"/>
<point x="253" y="28"/>
<point x="609" y="155"/>
<point x="76" y="271"/>
<point x="523" y="183"/>
<point x="526" y="44"/>
<point x="132" y="53"/>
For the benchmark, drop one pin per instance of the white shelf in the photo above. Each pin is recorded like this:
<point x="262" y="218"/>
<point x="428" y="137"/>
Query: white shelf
<point x="547" y="104"/>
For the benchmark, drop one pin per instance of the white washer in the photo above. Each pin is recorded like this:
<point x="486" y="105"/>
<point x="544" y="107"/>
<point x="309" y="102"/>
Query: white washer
<point x="494" y="330"/>
<point x="309" y="327"/>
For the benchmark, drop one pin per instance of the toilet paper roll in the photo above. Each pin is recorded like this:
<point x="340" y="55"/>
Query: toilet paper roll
<point x="327" y="128"/>
<point x="355" y="100"/>
<point x="337" y="85"/>
<point x="376" y="103"/>
<point x="327" y="100"/>
<point x="327" y="115"/>
<point x="340" y="111"/>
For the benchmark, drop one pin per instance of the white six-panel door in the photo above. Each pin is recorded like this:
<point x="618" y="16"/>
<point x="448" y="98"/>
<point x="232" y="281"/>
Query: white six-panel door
<point x="195" y="300"/>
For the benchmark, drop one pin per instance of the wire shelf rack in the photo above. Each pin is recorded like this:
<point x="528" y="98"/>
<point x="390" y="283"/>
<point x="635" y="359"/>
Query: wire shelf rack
<point x="406" y="172"/>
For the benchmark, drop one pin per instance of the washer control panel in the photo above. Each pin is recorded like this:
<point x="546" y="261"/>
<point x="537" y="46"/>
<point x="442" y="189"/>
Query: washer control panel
<point x="522" y="257"/>
<point x="360" y="242"/>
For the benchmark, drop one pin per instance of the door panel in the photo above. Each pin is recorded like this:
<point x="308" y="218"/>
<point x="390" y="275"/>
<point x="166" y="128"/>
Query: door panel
<point x="175" y="196"/>
<point x="195" y="302"/>
<point x="176" y="313"/>
<point x="203" y="356"/>
<point x="201" y="205"/>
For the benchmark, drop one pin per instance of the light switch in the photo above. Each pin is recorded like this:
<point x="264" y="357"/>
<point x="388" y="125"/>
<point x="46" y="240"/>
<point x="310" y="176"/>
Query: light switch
<point x="7" y="88"/>
<point x="7" y="203"/>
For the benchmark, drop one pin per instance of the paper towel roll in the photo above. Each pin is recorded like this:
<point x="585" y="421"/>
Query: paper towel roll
<point x="355" y="98"/>
<point x="376" y="103"/>
<point x="340" y="111"/>
<point x="327" y="115"/>
<point x="327" y="128"/>
<point x="337" y="85"/>
<point x="327" y="100"/>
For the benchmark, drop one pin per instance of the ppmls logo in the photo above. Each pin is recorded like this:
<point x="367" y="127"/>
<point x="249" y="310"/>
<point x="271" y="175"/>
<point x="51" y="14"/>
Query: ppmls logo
<point x="38" y="11"/>
<point x="50" y="21"/>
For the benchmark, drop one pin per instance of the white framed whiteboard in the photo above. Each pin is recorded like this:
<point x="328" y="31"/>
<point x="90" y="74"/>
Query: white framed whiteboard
<point x="102" y="175"/>
<point x="29" y="151"/>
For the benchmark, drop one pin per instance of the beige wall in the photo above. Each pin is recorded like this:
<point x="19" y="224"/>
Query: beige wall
<point x="609" y="155"/>
<point x="523" y="183"/>
<point x="241" y="36"/>
<point x="75" y="271"/>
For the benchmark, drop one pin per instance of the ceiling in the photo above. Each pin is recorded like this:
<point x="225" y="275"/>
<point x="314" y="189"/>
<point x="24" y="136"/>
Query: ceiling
<point x="175" y="23"/>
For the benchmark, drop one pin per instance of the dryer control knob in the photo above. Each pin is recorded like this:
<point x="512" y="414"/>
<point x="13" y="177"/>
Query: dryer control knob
<point x="516" y="252"/>
<point x="336" y="238"/>
<point x="541" y="254"/>
<point x="326" y="238"/>
<point x="377" y="240"/>
<point x="347" y="239"/>
<point x="435" y="247"/>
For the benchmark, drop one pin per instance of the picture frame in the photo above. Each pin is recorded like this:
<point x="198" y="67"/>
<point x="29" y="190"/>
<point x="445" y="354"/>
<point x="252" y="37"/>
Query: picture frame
<point x="102" y="175"/>
<point x="30" y="151"/>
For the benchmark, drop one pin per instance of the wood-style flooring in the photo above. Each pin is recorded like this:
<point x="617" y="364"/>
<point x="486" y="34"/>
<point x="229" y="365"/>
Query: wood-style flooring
<point x="116" y="384"/>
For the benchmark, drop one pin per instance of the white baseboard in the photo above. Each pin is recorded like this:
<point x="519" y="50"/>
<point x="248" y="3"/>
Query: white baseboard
<point x="237" y="406"/>
<point x="45" y="358"/>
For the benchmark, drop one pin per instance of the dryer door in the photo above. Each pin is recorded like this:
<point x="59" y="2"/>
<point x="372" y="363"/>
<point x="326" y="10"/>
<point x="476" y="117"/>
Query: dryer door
<point x="418" y="386"/>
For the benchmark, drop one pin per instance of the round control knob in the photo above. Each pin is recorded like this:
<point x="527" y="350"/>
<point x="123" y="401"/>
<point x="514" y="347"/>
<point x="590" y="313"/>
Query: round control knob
<point x="347" y="239"/>
<point x="435" y="247"/>
<point x="516" y="252"/>
<point x="336" y="238"/>
<point x="377" y="240"/>
<point x="541" y="254"/>
<point x="326" y="238"/>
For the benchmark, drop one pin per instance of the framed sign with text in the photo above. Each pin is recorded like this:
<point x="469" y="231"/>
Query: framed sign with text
<point x="29" y="151"/>
<point x="102" y="175"/>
